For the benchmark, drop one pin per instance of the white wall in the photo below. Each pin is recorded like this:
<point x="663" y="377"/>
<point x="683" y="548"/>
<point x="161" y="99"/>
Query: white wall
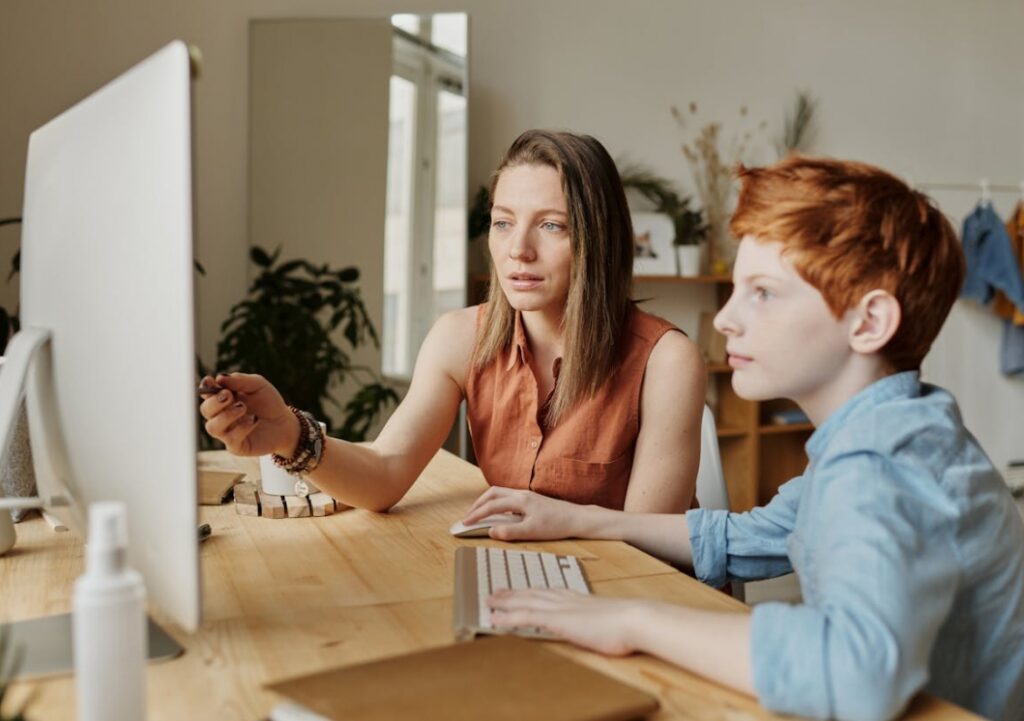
<point x="318" y="134"/>
<point x="925" y="87"/>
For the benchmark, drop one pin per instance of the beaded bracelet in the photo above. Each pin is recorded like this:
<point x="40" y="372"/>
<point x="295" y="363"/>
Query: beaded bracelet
<point x="309" y="450"/>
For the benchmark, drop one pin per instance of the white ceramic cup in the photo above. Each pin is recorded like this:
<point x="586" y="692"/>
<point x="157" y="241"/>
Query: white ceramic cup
<point x="278" y="482"/>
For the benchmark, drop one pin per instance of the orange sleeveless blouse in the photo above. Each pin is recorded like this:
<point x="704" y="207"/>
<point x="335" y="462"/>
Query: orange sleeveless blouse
<point x="588" y="456"/>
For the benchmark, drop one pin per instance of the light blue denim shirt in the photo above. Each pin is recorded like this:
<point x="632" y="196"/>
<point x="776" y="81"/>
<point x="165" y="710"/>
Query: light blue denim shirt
<point x="910" y="555"/>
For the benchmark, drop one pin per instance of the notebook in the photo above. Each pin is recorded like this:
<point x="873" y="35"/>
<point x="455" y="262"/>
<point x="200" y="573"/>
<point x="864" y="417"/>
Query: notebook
<point x="498" y="678"/>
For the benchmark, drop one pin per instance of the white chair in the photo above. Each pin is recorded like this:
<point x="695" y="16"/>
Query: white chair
<point x="711" y="489"/>
<point x="712" y="493"/>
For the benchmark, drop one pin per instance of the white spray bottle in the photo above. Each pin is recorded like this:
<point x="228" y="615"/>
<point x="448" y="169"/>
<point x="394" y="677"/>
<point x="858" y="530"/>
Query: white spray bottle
<point x="109" y="624"/>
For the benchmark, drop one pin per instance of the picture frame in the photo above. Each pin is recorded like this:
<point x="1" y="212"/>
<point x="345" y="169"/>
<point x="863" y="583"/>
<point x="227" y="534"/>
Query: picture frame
<point x="653" y="253"/>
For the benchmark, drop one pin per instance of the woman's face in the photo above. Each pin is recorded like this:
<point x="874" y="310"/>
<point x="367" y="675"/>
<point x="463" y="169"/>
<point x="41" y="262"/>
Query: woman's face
<point x="529" y="238"/>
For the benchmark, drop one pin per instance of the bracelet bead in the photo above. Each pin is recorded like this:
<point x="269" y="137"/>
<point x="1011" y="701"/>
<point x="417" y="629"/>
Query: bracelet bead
<point x="310" y="448"/>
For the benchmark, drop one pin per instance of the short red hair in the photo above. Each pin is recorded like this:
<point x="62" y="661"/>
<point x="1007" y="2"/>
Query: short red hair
<point x="852" y="228"/>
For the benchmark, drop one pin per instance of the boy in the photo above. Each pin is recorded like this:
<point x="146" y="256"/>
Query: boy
<point x="908" y="547"/>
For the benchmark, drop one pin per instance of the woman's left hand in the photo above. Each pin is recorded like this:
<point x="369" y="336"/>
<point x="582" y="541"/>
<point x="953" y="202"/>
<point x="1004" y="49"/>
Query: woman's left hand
<point x="599" y="624"/>
<point x="541" y="518"/>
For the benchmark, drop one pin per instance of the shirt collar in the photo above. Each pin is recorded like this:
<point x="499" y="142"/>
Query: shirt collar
<point x="520" y="352"/>
<point x="899" y="385"/>
<point x="520" y="348"/>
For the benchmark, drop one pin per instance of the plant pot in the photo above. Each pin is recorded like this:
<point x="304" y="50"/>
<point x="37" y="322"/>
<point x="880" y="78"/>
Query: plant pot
<point x="690" y="259"/>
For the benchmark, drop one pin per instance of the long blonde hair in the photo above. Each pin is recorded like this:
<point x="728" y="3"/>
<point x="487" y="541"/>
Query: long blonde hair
<point x="601" y="234"/>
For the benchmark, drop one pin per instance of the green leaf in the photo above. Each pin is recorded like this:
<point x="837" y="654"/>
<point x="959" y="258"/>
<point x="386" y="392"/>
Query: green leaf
<point x="348" y="275"/>
<point x="260" y="257"/>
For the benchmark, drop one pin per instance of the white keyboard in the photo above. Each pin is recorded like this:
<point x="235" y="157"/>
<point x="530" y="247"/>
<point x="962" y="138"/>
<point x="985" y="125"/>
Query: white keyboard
<point x="482" y="570"/>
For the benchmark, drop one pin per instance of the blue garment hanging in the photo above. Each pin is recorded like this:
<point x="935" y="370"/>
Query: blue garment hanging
<point x="991" y="263"/>
<point x="1011" y="350"/>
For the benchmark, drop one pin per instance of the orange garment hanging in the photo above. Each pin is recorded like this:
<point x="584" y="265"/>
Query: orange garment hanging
<point x="1001" y="305"/>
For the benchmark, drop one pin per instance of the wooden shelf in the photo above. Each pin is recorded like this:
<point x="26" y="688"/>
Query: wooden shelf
<point x="731" y="432"/>
<point x="718" y="368"/>
<point x="786" y="428"/>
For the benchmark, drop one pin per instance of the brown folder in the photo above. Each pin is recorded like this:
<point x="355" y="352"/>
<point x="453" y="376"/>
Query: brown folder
<point x="496" y="678"/>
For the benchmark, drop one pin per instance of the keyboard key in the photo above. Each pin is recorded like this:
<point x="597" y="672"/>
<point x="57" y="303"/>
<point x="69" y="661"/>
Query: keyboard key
<point x="552" y="570"/>
<point x="573" y="574"/>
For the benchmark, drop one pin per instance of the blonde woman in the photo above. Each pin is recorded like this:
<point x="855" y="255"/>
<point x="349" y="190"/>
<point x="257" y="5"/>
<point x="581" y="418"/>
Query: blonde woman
<point x="572" y="391"/>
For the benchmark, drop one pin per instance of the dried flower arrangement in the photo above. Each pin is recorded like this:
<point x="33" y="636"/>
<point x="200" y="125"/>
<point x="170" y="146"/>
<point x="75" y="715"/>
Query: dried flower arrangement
<point x="712" y="169"/>
<point x="800" y="126"/>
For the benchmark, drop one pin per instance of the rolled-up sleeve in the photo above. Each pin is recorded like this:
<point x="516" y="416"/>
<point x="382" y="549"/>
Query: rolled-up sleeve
<point x="744" y="546"/>
<point x="881" y="575"/>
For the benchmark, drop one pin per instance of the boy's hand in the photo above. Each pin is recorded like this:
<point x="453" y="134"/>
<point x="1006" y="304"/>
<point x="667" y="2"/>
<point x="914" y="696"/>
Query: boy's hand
<point x="604" y="625"/>
<point x="543" y="518"/>
<point x="248" y="415"/>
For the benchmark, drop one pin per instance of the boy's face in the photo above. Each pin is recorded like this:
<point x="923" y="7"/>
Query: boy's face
<point x="783" y="341"/>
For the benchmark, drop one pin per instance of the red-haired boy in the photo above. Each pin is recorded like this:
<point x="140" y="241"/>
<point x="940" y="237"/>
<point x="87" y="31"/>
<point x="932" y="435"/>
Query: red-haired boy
<point x="907" y="544"/>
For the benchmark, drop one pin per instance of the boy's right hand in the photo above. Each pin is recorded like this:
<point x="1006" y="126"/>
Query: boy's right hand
<point x="249" y="416"/>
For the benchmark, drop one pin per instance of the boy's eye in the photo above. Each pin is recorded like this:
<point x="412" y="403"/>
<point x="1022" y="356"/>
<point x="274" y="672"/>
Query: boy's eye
<point x="762" y="294"/>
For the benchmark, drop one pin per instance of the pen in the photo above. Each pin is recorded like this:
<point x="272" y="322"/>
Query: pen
<point x="208" y="388"/>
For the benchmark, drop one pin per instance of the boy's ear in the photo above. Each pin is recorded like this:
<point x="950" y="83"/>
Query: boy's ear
<point x="875" y="320"/>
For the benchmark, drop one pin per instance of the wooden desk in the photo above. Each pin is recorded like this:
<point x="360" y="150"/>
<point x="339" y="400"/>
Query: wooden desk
<point x="289" y="596"/>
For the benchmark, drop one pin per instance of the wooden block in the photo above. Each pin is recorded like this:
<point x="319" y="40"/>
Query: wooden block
<point x="225" y="461"/>
<point x="214" y="485"/>
<point x="247" y="502"/>
<point x="297" y="507"/>
<point x="272" y="506"/>
<point x="322" y="504"/>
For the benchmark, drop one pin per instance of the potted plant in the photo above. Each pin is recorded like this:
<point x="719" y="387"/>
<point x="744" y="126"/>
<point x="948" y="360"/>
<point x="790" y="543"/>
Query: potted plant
<point x="689" y="226"/>
<point x="286" y="329"/>
<point x="9" y="320"/>
<point x="478" y="225"/>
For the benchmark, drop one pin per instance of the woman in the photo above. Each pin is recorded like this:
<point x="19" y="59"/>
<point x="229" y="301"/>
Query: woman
<point x="571" y="391"/>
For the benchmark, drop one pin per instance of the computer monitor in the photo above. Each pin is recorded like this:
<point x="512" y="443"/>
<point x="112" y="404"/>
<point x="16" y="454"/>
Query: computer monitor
<point x="106" y="358"/>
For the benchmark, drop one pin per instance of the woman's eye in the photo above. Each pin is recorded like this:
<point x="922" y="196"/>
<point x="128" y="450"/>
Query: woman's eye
<point x="500" y="224"/>
<point x="552" y="227"/>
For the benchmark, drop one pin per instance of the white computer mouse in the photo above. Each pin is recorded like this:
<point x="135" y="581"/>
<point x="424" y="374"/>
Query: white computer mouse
<point x="481" y="527"/>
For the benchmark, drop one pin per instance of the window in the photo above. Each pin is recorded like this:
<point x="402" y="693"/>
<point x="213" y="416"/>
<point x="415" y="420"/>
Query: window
<point x="425" y="244"/>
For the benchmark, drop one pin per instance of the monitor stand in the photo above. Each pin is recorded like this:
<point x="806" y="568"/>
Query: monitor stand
<point x="48" y="650"/>
<point x="46" y="641"/>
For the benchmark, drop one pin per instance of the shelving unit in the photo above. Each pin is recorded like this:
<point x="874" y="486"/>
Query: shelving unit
<point x="757" y="455"/>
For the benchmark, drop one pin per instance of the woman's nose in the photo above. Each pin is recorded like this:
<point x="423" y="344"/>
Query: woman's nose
<point x="521" y="247"/>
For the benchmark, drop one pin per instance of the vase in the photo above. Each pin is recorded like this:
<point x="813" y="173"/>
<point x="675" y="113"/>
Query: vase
<point x="722" y="248"/>
<point x="17" y="477"/>
<point x="690" y="259"/>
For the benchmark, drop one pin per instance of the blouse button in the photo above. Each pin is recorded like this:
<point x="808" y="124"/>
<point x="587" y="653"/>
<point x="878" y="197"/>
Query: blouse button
<point x="533" y="443"/>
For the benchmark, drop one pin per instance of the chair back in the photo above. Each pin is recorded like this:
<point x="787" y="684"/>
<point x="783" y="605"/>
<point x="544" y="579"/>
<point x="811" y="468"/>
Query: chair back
<point x="711" y="490"/>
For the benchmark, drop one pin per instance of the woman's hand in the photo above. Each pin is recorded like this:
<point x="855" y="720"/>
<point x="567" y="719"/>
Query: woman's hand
<point x="542" y="518"/>
<point x="249" y="416"/>
<point x="605" y="625"/>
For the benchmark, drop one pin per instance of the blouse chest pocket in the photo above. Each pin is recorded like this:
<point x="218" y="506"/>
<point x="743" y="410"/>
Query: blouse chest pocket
<point x="585" y="482"/>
